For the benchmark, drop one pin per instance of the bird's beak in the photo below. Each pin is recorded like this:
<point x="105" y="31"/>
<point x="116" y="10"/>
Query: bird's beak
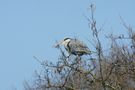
<point x="57" y="44"/>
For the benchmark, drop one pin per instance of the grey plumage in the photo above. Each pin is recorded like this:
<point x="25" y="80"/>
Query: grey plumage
<point x="75" y="46"/>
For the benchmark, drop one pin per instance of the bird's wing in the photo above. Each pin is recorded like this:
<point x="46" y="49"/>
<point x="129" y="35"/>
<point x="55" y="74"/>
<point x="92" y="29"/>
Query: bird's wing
<point x="78" y="46"/>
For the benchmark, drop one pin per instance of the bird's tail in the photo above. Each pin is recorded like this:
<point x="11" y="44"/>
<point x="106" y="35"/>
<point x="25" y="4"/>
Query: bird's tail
<point x="91" y="52"/>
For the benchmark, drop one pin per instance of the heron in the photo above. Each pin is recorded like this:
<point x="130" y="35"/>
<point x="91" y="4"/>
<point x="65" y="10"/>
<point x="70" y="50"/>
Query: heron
<point x="74" y="46"/>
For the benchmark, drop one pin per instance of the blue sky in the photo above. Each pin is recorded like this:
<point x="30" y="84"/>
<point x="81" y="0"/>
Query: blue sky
<point x="30" y="28"/>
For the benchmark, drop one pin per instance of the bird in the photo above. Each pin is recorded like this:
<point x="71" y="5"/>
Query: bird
<point x="74" y="46"/>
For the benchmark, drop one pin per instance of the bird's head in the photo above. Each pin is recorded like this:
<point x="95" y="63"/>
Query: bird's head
<point x="64" y="42"/>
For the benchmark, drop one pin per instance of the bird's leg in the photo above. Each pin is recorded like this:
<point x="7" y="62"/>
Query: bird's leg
<point x="78" y="59"/>
<point x="93" y="62"/>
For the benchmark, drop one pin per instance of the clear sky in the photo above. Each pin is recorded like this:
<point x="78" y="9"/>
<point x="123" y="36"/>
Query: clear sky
<point x="30" y="28"/>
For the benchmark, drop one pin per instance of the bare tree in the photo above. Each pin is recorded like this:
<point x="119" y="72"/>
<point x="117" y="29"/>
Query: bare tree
<point x="112" y="71"/>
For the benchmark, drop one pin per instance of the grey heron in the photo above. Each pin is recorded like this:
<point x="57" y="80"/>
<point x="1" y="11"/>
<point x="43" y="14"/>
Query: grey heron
<point x="74" y="46"/>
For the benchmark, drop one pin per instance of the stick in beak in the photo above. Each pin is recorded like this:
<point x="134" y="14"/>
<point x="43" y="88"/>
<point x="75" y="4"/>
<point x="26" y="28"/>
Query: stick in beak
<point x="57" y="44"/>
